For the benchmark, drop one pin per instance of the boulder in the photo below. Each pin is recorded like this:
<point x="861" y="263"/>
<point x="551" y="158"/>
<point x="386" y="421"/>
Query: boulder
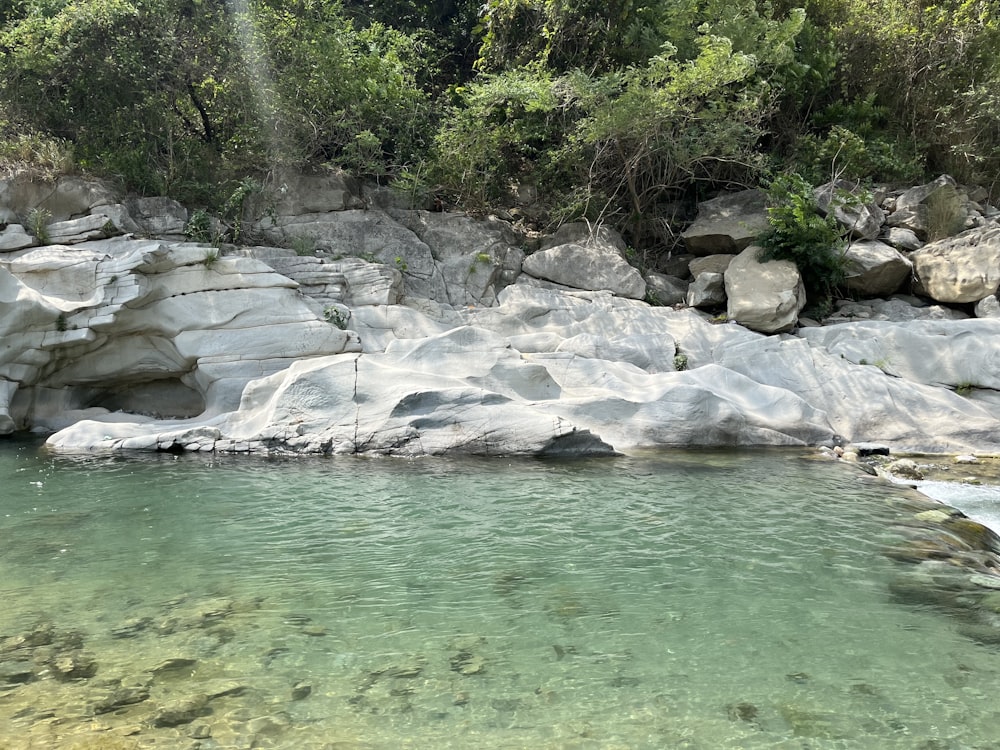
<point x="584" y="233"/>
<point x="903" y="239"/>
<point x="707" y="291"/>
<point x="350" y="281"/>
<point x="63" y="198"/>
<point x="14" y="237"/>
<point x="709" y="264"/>
<point x="874" y="269"/>
<point x="988" y="307"/>
<point x="662" y="289"/>
<point x="162" y="218"/>
<point x="863" y="220"/>
<point x="372" y="235"/>
<point x="296" y="192"/>
<point x="933" y="211"/>
<point x="590" y="267"/>
<point x="475" y="258"/>
<point x="678" y="265"/>
<point x="960" y="269"/>
<point x="765" y="297"/>
<point x="73" y="231"/>
<point x="728" y="223"/>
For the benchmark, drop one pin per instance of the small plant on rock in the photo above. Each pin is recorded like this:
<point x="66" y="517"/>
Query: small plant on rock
<point x="38" y="224"/>
<point x="680" y="362"/>
<point x="304" y="246"/>
<point x="211" y="258"/>
<point x="334" y="316"/>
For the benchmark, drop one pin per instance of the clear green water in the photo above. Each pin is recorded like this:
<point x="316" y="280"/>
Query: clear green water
<point x="689" y="600"/>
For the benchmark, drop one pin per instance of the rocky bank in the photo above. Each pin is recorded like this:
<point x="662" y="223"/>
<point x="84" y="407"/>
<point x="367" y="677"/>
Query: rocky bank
<point x="355" y="325"/>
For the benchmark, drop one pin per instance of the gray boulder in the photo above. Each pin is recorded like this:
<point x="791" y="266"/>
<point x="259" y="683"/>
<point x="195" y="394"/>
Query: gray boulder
<point x="584" y="233"/>
<point x="298" y="192"/>
<point x="862" y="220"/>
<point x="14" y="237"/>
<point x="64" y="198"/>
<point x="162" y="218"/>
<point x="933" y="211"/>
<point x="709" y="264"/>
<point x="988" y="307"/>
<point x="902" y="238"/>
<point x="707" y="291"/>
<point x="590" y="267"/>
<point x="73" y="231"/>
<point x="765" y="297"/>
<point x="475" y="258"/>
<point x="665" y="290"/>
<point x="874" y="269"/>
<point x="727" y="224"/>
<point x="370" y="235"/>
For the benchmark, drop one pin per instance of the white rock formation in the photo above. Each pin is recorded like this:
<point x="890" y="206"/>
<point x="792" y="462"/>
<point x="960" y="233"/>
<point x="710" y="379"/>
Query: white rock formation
<point x="933" y="352"/>
<point x="442" y="347"/>
<point x="119" y="322"/>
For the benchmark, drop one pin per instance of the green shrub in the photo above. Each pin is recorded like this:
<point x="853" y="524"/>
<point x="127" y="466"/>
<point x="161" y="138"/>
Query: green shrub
<point x="199" y="226"/>
<point x="799" y="232"/>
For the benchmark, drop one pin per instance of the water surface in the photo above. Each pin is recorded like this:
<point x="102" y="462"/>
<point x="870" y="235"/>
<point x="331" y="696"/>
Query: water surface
<point x="689" y="600"/>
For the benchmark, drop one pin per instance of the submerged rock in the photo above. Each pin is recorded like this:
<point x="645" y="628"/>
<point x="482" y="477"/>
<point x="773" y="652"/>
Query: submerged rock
<point x="180" y="711"/>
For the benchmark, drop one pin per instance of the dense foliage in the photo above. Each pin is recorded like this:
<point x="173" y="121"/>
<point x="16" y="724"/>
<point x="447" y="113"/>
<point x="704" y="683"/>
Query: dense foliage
<point x="810" y="238"/>
<point x="623" y="111"/>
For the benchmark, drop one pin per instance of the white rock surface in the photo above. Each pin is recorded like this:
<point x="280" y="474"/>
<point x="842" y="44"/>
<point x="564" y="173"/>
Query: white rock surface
<point x="933" y="352"/>
<point x="14" y="237"/>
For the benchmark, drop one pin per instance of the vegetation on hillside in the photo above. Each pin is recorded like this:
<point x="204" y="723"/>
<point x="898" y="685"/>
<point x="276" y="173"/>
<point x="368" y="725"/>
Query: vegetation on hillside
<point x="621" y="111"/>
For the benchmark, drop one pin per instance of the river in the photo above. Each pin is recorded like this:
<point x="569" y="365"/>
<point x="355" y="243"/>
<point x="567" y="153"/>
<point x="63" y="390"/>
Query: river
<point x="726" y="599"/>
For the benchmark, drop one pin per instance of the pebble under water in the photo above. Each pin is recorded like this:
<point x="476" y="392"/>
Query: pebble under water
<point x="676" y="600"/>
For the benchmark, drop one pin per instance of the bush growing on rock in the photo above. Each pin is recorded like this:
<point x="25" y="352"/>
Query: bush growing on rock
<point x="799" y="232"/>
